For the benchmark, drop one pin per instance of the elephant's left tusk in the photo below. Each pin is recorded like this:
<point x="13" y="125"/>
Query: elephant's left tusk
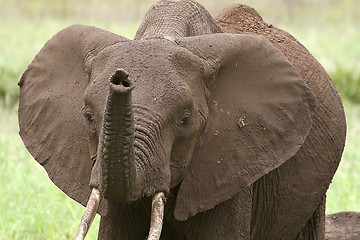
<point x="89" y="214"/>
<point x="157" y="215"/>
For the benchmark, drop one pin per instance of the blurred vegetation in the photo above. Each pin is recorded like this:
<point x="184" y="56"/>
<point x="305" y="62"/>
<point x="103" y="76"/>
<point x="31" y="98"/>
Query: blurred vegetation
<point x="32" y="207"/>
<point x="328" y="28"/>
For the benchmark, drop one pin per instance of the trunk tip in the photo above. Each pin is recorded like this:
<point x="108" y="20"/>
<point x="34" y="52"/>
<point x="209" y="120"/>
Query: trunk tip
<point x="121" y="77"/>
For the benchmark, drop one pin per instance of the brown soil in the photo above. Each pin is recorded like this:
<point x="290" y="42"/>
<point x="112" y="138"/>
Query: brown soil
<point x="343" y="226"/>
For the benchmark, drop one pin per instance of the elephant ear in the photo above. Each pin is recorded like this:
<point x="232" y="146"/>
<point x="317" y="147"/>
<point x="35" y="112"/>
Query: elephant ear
<point x="260" y="113"/>
<point x="50" y="109"/>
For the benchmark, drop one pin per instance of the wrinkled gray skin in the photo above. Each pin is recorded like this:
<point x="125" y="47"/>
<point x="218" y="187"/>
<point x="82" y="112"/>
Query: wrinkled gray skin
<point x="269" y="219"/>
<point x="155" y="122"/>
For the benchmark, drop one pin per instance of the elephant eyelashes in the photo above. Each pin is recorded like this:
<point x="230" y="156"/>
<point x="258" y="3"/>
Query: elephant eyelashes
<point x="185" y="118"/>
<point x="90" y="120"/>
<point x="88" y="115"/>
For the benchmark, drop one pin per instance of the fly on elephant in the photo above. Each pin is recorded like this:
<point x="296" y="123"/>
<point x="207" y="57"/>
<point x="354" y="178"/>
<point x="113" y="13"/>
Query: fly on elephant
<point x="199" y="128"/>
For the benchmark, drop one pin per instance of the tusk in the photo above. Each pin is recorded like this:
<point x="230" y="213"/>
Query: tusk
<point x="89" y="214"/>
<point x="157" y="215"/>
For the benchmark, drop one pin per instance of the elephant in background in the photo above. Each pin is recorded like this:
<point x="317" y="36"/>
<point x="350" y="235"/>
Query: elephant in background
<point x="343" y="226"/>
<point x="232" y="119"/>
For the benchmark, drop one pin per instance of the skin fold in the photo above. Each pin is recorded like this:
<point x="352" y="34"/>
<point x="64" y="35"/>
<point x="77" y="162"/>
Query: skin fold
<point x="231" y="118"/>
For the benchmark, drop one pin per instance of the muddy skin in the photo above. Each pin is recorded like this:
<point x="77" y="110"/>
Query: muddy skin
<point x="231" y="118"/>
<point x="343" y="226"/>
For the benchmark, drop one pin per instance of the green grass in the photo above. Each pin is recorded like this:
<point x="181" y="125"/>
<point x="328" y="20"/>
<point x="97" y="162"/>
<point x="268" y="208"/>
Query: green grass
<point x="334" y="47"/>
<point x="330" y="34"/>
<point x="31" y="206"/>
<point x="344" y="191"/>
<point x="348" y="83"/>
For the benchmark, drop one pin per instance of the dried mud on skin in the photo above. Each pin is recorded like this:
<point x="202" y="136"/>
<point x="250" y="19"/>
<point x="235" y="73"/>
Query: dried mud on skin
<point x="343" y="226"/>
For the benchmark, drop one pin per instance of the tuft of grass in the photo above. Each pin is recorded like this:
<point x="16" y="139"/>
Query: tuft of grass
<point x="348" y="83"/>
<point x="8" y="90"/>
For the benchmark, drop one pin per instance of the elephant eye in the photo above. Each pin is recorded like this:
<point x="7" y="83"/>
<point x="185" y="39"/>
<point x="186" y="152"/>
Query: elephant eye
<point x="88" y="117"/>
<point x="185" y="118"/>
<point x="88" y="114"/>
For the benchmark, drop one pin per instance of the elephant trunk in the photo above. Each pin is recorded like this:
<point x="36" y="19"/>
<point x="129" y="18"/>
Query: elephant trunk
<point x="118" y="178"/>
<point x="116" y="161"/>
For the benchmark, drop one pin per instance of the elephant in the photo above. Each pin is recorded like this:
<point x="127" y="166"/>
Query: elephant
<point x="198" y="128"/>
<point x="343" y="226"/>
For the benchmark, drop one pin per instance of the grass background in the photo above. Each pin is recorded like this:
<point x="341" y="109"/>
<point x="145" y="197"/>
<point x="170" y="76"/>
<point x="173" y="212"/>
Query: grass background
<point x="31" y="207"/>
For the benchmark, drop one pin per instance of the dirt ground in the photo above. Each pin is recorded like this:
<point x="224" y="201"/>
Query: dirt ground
<point x="343" y="226"/>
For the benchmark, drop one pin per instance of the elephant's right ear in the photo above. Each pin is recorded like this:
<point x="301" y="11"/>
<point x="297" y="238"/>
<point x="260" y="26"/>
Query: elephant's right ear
<point x="50" y="109"/>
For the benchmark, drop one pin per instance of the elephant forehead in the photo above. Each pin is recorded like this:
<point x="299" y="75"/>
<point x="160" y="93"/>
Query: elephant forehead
<point x="151" y="68"/>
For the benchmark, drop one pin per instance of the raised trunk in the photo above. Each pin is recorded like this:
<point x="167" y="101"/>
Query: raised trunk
<point x="118" y="178"/>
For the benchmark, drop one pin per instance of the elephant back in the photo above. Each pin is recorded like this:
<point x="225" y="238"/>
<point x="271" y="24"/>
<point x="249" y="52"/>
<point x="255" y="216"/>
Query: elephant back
<point x="171" y="19"/>
<point x="304" y="179"/>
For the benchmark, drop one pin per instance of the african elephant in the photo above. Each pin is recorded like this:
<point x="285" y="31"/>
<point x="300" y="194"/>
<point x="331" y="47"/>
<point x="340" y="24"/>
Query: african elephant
<point x="343" y="226"/>
<point x="231" y="121"/>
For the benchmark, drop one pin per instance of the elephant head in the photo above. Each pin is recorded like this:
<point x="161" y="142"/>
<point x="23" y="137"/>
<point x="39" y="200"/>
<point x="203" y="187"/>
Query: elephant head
<point x="210" y="114"/>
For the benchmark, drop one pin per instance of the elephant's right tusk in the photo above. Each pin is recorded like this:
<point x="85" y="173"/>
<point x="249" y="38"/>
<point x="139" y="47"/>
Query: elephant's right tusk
<point x="157" y="215"/>
<point x="89" y="214"/>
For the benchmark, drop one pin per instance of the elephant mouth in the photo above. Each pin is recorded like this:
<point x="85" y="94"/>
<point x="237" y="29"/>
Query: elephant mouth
<point x="156" y="222"/>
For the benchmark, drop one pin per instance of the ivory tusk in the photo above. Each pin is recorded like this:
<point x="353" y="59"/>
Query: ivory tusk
<point x="157" y="215"/>
<point x="89" y="214"/>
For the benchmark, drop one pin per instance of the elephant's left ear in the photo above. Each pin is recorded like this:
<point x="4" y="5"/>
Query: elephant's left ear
<point x="260" y="113"/>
